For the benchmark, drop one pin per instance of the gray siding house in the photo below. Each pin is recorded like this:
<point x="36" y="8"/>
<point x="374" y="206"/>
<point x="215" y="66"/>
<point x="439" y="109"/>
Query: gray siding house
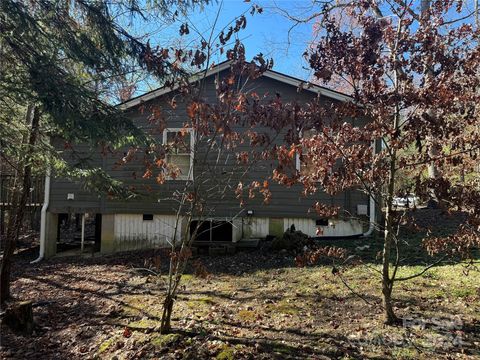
<point x="147" y="222"/>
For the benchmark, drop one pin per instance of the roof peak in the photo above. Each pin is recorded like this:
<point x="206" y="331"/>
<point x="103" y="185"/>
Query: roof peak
<point x="287" y="79"/>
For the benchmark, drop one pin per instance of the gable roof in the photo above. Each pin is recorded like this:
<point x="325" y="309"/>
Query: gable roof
<point x="290" y="80"/>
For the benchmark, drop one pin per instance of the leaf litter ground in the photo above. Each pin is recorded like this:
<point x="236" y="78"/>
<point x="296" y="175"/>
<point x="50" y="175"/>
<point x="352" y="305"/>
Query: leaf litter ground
<point x="253" y="305"/>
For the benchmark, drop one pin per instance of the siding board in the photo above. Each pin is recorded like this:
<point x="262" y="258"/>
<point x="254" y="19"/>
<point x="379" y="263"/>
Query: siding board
<point x="336" y="228"/>
<point x="132" y="232"/>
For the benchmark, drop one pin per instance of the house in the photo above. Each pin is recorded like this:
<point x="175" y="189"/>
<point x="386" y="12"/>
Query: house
<point x="146" y="222"/>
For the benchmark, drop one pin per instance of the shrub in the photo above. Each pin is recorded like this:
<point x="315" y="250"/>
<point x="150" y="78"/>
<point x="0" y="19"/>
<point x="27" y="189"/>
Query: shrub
<point x="291" y="240"/>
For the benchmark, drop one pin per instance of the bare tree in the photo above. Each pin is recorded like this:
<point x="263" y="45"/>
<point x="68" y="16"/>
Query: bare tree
<point x="412" y="68"/>
<point x="212" y="141"/>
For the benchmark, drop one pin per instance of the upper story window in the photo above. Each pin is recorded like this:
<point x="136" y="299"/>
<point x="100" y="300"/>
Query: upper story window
<point x="179" y="148"/>
<point x="303" y="164"/>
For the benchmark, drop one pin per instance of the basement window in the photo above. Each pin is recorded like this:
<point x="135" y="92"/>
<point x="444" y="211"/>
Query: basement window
<point x="179" y="148"/>
<point x="147" y="217"/>
<point x="321" y="222"/>
<point x="211" y="231"/>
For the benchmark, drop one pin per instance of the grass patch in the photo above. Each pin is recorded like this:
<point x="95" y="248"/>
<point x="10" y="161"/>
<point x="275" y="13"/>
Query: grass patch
<point x="141" y="305"/>
<point x="284" y="308"/>
<point x="194" y="303"/>
<point x="226" y="353"/>
<point x="104" y="346"/>
<point x="165" y="340"/>
<point x="405" y="354"/>
<point x="143" y="324"/>
<point x="186" y="278"/>
<point x="247" y="315"/>
<point x="463" y="292"/>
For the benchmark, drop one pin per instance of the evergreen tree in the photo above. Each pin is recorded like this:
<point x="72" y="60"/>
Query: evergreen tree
<point x="54" y="57"/>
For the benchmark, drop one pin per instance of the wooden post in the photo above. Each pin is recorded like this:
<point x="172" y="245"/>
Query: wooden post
<point x="83" y="233"/>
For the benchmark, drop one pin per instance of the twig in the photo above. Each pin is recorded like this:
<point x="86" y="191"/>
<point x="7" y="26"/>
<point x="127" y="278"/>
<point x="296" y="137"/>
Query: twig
<point x="354" y="292"/>
<point x="421" y="272"/>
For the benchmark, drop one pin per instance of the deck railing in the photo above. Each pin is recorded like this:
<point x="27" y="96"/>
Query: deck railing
<point x="35" y="198"/>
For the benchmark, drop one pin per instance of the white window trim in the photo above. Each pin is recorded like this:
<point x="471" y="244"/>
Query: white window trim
<point x="298" y="163"/>
<point x="189" y="176"/>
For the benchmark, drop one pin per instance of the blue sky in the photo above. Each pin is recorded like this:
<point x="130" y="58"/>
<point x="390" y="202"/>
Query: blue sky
<point x="265" y="33"/>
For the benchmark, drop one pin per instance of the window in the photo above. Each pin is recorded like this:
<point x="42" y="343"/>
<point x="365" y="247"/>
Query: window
<point x="179" y="148"/>
<point x="302" y="164"/>
<point x="321" y="222"/>
<point x="147" y="217"/>
<point x="211" y="230"/>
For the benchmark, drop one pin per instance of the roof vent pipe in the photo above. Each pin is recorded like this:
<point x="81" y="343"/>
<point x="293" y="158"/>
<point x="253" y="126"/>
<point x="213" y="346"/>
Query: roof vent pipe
<point x="372" y="210"/>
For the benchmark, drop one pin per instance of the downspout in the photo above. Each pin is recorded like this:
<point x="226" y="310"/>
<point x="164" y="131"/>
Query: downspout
<point x="372" y="211"/>
<point x="43" y="218"/>
<point x="371" y="225"/>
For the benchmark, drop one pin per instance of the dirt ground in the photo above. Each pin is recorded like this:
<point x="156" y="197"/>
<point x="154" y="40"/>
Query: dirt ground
<point x="254" y="305"/>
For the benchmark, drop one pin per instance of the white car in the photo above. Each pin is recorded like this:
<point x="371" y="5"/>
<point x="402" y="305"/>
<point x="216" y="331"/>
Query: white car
<point x="408" y="201"/>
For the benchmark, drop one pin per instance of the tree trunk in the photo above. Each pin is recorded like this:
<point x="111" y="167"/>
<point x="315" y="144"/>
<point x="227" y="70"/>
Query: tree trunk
<point x="165" y="325"/>
<point x="433" y="173"/>
<point x="434" y="148"/>
<point x="19" y="202"/>
<point x="19" y="317"/>
<point x="390" y="317"/>
<point x="387" y="282"/>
